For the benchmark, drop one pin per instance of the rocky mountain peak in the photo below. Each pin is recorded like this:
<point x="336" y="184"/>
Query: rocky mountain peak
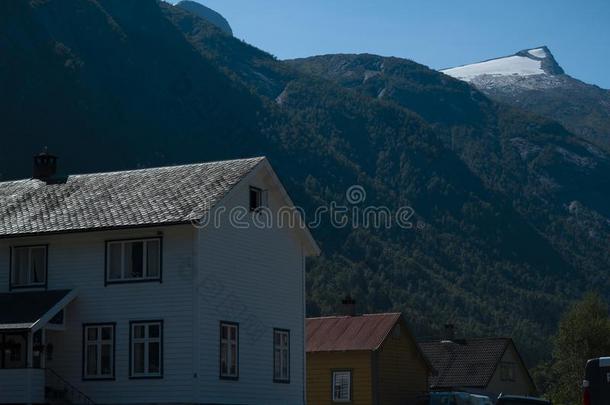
<point x="544" y="54"/>
<point x="207" y="14"/>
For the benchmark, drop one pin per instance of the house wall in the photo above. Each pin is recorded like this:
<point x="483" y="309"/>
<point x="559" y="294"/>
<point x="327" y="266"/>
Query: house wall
<point x="320" y="366"/>
<point x="21" y="386"/>
<point x="522" y="384"/>
<point x="78" y="261"/>
<point x="402" y="373"/>
<point x="254" y="277"/>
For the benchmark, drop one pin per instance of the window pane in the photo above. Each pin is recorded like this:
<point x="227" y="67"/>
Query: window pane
<point x="138" y="358"/>
<point x="20" y="266"/>
<point x="107" y="333"/>
<point x="38" y="264"/>
<point x="92" y="334"/>
<point x="233" y="359"/>
<point x="154" y="357"/>
<point x="233" y="333"/>
<point x="91" y="360"/>
<point x="152" y="259"/>
<point x="138" y="331"/>
<point x="106" y="360"/>
<point x="223" y="359"/>
<point x="224" y="331"/>
<point x="114" y="261"/>
<point x="276" y="363"/>
<point x="134" y="255"/>
<point x="153" y="331"/>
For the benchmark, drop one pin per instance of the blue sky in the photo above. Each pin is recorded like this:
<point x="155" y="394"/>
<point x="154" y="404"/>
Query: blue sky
<point x="437" y="33"/>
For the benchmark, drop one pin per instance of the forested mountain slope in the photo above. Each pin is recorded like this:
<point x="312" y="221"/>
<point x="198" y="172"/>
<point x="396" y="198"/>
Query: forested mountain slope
<point x="510" y="223"/>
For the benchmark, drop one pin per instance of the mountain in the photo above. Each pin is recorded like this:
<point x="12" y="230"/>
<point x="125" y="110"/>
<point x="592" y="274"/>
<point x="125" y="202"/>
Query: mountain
<point x="533" y="80"/>
<point x="207" y="14"/>
<point x="511" y="220"/>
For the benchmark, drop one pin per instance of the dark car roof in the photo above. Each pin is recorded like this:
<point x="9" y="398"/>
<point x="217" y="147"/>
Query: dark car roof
<point x="515" y="399"/>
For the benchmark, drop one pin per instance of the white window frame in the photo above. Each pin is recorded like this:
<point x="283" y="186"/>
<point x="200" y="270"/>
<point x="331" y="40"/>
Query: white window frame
<point x="145" y="276"/>
<point x="30" y="271"/>
<point x="98" y="343"/>
<point x="281" y="349"/>
<point x="146" y="340"/>
<point x="337" y="373"/>
<point x="229" y="343"/>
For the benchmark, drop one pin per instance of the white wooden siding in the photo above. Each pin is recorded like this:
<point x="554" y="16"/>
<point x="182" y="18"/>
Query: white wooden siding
<point x="77" y="261"/>
<point x="253" y="277"/>
<point x="21" y="386"/>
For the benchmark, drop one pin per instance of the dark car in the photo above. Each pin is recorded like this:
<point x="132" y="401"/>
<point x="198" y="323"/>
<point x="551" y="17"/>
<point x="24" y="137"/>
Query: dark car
<point x="596" y="385"/>
<point x="517" y="400"/>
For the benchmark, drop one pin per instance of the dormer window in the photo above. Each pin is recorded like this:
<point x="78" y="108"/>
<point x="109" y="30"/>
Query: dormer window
<point x="256" y="198"/>
<point x="28" y="266"/>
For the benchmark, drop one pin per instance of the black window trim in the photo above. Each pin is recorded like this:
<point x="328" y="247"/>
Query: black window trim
<point x="40" y="286"/>
<point x="161" y="348"/>
<point x="134" y="281"/>
<point x="282" y="380"/>
<point x="84" y="351"/>
<point x="220" y="376"/>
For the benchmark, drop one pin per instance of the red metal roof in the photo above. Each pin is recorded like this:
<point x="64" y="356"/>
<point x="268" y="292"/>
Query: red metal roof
<point x="342" y="333"/>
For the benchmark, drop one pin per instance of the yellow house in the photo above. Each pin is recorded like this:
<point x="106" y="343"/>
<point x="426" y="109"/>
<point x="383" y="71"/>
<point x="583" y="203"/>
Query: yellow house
<point x="364" y="360"/>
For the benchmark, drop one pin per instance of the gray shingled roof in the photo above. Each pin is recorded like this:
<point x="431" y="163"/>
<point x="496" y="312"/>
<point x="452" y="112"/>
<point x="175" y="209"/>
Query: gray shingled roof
<point x="165" y="195"/>
<point x="22" y="310"/>
<point x="464" y="363"/>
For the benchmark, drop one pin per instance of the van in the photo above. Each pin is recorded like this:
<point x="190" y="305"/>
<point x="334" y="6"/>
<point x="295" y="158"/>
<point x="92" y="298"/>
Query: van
<point x="596" y="385"/>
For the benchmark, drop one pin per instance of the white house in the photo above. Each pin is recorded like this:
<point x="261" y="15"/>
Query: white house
<point x="152" y="286"/>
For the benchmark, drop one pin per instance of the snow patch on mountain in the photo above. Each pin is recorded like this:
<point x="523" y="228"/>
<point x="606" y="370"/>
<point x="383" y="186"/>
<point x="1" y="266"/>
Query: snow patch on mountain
<point x="526" y="63"/>
<point x="512" y="65"/>
<point x="538" y="53"/>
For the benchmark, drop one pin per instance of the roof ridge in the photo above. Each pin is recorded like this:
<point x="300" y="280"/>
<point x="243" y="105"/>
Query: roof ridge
<point x="466" y="339"/>
<point x="355" y="316"/>
<point x="184" y="165"/>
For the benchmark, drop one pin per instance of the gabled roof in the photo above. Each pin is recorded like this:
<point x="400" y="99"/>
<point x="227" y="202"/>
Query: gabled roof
<point x="136" y="198"/>
<point x="464" y="362"/>
<point x="31" y="310"/>
<point x="343" y="333"/>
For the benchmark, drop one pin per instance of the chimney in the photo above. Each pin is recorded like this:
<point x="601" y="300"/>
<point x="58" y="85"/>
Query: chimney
<point x="449" y="334"/>
<point x="45" y="166"/>
<point x="348" y="306"/>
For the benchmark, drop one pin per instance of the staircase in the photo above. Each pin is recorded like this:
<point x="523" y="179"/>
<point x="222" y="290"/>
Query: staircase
<point x="58" y="391"/>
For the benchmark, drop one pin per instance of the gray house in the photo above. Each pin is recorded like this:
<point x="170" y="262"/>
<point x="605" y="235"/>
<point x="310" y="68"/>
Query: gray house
<point x="489" y="366"/>
<point x="151" y="286"/>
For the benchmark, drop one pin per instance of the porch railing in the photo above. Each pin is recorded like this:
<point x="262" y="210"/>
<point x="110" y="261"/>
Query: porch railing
<point x="60" y="389"/>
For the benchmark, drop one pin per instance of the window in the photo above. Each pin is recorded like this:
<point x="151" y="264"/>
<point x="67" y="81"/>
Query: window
<point x="98" y="351"/>
<point x="146" y="352"/>
<point x="256" y="198"/>
<point x="229" y="350"/>
<point x="281" y="355"/>
<point x="342" y="386"/>
<point x="133" y="260"/>
<point x="13" y="353"/>
<point x="29" y="266"/>
<point x="508" y="371"/>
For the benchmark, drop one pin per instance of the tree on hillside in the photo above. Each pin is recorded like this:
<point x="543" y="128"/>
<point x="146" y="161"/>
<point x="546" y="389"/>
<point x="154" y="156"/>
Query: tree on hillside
<point x="584" y="333"/>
